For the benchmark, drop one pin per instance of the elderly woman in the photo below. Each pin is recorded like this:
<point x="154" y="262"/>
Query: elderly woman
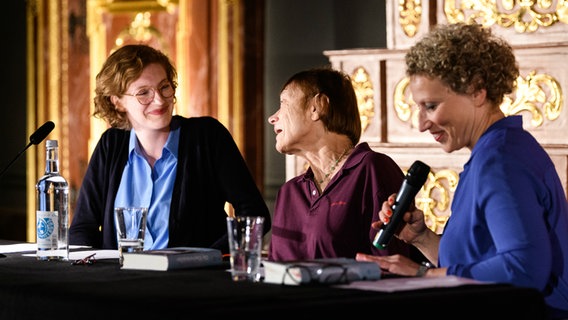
<point x="326" y="212"/>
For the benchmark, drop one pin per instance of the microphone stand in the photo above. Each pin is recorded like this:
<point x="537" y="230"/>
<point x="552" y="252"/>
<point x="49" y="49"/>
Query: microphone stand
<point x="14" y="160"/>
<point x="36" y="137"/>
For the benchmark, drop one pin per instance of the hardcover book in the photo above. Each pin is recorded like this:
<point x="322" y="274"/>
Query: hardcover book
<point x="172" y="258"/>
<point x="320" y="271"/>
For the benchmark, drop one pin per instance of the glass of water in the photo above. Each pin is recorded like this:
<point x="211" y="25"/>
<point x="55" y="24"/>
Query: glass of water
<point x="130" y="225"/>
<point x="245" y="244"/>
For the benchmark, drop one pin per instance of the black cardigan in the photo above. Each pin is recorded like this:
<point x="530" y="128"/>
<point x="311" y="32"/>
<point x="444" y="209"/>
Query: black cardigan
<point x="210" y="172"/>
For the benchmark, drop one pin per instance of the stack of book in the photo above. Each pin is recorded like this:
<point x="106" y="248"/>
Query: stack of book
<point x="172" y="258"/>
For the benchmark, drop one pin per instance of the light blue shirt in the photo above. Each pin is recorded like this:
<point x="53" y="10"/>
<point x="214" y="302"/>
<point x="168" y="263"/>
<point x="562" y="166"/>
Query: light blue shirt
<point x="144" y="187"/>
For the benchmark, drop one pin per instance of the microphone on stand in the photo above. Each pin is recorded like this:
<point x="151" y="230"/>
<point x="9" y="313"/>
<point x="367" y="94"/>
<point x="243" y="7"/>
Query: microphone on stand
<point x="36" y="137"/>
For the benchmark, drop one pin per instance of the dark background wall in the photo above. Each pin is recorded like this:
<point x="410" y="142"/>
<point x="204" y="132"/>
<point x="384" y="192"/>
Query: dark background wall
<point x="296" y="34"/>
<point x="13" y="118"/>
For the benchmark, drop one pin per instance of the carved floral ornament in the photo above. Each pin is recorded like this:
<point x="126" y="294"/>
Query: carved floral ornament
<point x="522" y="15"/>
<point x="140" y="29"/>
<point x="410" y="13"/>
<point x="434" y="198"/>
<point x="538" y="94"/>
<point x="365" y="96"/>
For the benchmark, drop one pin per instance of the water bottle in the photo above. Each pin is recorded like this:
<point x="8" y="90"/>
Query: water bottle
<point x="52" y="211"/>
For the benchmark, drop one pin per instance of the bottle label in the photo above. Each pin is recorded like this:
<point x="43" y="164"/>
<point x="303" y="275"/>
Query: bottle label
<point x="47" y="226"/>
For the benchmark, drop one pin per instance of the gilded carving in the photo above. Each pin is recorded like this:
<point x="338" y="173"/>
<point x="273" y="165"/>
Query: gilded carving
<point x="524" y="15"/>
<point x="410" y="13"/>
<point x="403" y="104"/>
<point x="402" y="108"/>
<point x="434" y="198"/>
<point x="365" y="96"/>
<point x="139" y="30"/>
<point x="539" y="94"/>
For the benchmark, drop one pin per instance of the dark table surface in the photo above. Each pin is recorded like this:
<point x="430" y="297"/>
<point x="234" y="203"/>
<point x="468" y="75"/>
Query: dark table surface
<point x="32" y="289"/>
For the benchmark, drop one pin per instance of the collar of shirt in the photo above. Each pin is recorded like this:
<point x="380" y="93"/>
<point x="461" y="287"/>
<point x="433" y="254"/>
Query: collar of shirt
<point x="171" y="145"/>
<point x="352" y="160"/>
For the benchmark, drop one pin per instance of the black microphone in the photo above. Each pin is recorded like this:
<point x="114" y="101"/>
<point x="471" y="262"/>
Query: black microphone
<point x="36" y="137"/>
<point x="415" y="178"/>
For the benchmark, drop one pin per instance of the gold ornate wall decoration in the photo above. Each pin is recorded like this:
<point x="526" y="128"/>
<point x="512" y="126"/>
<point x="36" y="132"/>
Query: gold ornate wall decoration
<point x="141" y="30"/>
<point x="435" y="197"/>
<point x="403" y="103"/>
<point x="402" y="108"/>
<point x="524" y="15"/>
<point x="365" y="96"/>
<point x="538" y="94"/>
<point x="410" y="14"/>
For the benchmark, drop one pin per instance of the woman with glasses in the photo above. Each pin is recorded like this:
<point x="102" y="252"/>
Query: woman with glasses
<point x="183" y="169"/>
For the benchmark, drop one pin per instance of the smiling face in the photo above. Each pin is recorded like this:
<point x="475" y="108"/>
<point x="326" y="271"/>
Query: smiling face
<point x="449" y="117"/>
<point x="294" y="121"/>
<point x="157" y="114"/>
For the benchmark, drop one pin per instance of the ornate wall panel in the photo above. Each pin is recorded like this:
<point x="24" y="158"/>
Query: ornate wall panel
<point x="541" y="92"/>
<point x="522" y="22"/>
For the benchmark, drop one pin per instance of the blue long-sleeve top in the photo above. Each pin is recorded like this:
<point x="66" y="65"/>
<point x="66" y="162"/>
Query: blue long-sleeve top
<point x="509" y="220"/>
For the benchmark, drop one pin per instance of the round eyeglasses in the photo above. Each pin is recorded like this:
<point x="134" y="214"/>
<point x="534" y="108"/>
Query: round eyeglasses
<point x="146" y="95"/>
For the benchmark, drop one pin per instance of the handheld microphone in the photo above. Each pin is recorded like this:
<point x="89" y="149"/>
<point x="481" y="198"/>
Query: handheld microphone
<point x="36" y="137"/>
<point x="415" y="178"/>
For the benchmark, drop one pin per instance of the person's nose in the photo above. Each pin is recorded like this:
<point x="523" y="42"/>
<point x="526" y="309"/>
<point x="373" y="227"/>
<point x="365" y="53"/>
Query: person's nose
<point x="273" y="118"/>
<point x="423" y="122"/>
<point x="158" y="97"/>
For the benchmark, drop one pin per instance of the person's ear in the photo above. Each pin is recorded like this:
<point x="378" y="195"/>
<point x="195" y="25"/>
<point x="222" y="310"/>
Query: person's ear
<point x="319" y="106"/>
<point x="479" y="97"/>
<point x="314" y="112"/>
<point x="116" y="101"/>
